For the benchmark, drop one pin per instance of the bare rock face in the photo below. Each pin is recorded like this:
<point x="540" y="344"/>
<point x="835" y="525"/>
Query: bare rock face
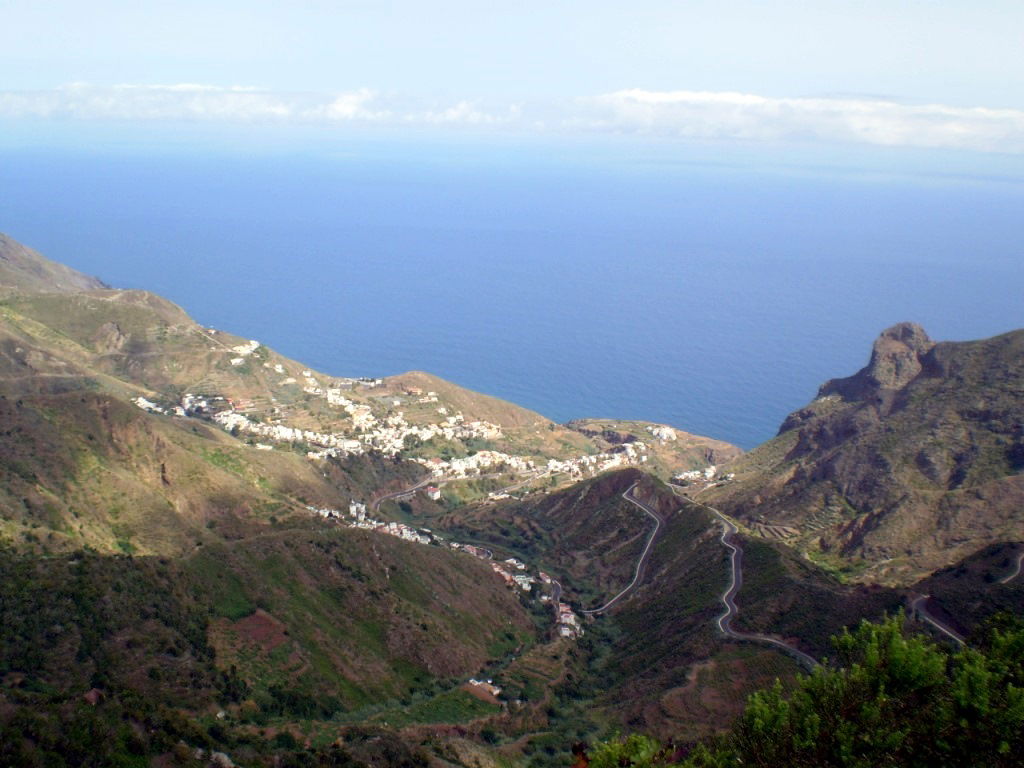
<point x="896" y="355"/>
<point x="896" y="360"/>
<point x="109" y="338"/>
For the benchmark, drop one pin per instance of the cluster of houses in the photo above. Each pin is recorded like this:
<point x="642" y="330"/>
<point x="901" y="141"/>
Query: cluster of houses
<point x="662" y="433"/>
<point x="568" y="622"/>
<point x="243" y="351"/>
<point x="390" y="434"/>
<point x="386" y="436"/>
<point x="623" y="455"/>
<point x="148" y="405"/>
<point x="506" y="570"/>
<point x="358" y="518"/>
<point x="483" y="554"/>
<point x="702" y="477"/>
<point x="330" y="444"/>
<point x="417" y="392"/>
<point x="708" y="473"/>
<point x="466" y="466"/>
<point x="190" y="405"/>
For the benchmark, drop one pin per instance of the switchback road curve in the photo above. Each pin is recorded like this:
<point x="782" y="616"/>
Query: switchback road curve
<point x="375" y="504"/>
<point x="1015" y="572"/>
<point x="628" y="496"/>
<point x="918" y="606"/>
<point x="728" y="598"/>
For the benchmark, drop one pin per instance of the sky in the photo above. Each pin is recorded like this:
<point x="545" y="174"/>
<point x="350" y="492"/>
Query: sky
<point x="945" y="75"/>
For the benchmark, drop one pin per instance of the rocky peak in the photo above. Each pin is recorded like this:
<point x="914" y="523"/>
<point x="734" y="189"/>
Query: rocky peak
<point x="895" y="361"/>
<point x="896" y="355"/>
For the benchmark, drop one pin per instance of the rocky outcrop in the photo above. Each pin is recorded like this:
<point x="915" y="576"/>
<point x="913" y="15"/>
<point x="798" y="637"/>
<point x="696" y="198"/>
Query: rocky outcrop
<point x="109" y="338"/>
<point x="896" y="360"/>
<point x="912" y="463"/>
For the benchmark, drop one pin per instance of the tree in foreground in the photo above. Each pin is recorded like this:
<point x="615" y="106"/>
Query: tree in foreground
<point x="892" y="699"/>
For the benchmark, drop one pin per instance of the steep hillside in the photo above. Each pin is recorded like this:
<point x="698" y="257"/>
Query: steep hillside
<point x="968" y="593"/>
<point x="71" y="348"/>
<point x="655" y="660"/>
<point x="61" y="332"/>
<point x="186" y="562"/>
<point x="588" y="533"/>
<point x="22" y="269"/>
<point x="158" y="547"/>
<point x="305" y="625"/>
<point x="911" y="464"/>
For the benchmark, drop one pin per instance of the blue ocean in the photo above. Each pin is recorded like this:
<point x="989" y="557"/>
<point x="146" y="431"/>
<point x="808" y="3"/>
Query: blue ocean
<point x="712" y="296"/>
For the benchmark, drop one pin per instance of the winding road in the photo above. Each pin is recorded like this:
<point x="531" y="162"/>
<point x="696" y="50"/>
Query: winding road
<point x="1016" y="571"/>
<point x="728" y="598"/>
<point x="919" y="607"/>
<point x="375" y="504"/>
<point x="918" y="604"/>
<point x="439" y="481"/>
<point x="628" y="496"/>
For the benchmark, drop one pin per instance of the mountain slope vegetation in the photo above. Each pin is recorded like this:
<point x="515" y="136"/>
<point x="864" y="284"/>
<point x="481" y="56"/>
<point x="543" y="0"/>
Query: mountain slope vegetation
<point x="201" y="551"/>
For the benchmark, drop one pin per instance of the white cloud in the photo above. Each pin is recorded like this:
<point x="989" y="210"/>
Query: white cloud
<point x="192" y="101"/>
<point x="683" y="114"/>
<point x="744" y="116"/>
<point x="186" y="101"/>
<point x="463" y="112"/>
<point x="353" y="105"/>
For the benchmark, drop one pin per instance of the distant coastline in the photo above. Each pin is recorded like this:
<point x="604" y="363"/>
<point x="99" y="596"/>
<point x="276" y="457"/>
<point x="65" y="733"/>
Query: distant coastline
<point x="715" y="303"/>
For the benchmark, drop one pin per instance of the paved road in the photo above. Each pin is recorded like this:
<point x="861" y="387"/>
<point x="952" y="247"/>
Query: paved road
<point x="438" y="481"/>
<point x="1016" y="571"/>
<point x="724" y="622"/>
<point x="375" y="504"/>
<point x="628" y="496"/>
<point x="919" y="606"/>
<point x="533" y="475"/>
<point x="556" y="592"/>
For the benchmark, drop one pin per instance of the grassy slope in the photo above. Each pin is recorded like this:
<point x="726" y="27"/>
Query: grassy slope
<point x="292" y="623"/>
<point x="84" y="469"/>
<point x="234" y="597"/>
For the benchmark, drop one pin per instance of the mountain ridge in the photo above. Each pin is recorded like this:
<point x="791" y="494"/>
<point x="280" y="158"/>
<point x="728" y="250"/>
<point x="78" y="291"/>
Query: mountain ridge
<point x="22" y="268"/>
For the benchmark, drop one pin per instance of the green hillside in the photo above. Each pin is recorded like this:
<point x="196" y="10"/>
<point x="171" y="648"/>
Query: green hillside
<point x="213" y="555"/>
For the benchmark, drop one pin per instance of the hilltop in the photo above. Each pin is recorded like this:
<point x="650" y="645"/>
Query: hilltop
<point x="911" y="464"/>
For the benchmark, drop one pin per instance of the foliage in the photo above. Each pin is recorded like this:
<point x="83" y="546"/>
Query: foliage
<point x="635" y="749"/>
<point x="894" y="699"/>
